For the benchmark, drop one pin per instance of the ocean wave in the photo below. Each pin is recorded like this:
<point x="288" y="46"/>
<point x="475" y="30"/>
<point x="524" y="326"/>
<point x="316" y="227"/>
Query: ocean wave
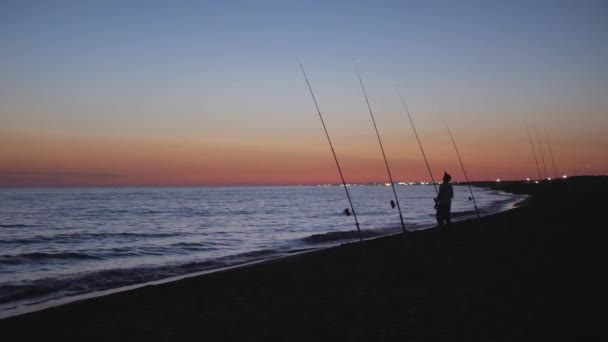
<point x="346" y="235"/>
<point x="14" y="225"/>
<point x="66" y="238"/>
<point x="39" y="256"/>
<point x="49" y="288"/>
<point x="45" y="289"/>
<point x="136" y="235"/>
<point x="9" y="293"/>
<point x="109" y="253"/>
<point x="253" y="254"/>
<point x="194" y="245"/>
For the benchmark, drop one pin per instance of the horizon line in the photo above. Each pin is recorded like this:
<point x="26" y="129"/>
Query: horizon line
<point x="409" y="183"/>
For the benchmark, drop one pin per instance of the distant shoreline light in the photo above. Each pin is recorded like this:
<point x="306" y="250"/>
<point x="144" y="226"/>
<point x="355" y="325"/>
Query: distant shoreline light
<point x="382" y="184"/>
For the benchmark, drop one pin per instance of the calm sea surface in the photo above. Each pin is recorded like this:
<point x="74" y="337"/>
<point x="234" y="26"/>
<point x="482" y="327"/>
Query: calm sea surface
<point x="61" y="242"/>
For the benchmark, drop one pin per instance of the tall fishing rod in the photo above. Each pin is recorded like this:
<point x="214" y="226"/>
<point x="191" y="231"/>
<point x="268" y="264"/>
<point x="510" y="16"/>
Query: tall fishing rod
<point x="333" y="152"/>
<point x="542" y="157"/>
<point x="418" y="139"/>
<point x="551" y="153"/>
<point x="462" y="166"/>
<point x="540" y="177"/>
<point x="388" y="170"/>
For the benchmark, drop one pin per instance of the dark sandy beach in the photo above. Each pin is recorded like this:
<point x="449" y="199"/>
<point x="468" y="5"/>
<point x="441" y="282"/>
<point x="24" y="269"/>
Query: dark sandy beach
<point x="533" y="273"/>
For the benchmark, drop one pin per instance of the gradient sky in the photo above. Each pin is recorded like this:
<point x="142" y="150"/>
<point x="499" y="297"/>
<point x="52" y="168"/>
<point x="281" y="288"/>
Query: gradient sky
<point x="210" y="93"/>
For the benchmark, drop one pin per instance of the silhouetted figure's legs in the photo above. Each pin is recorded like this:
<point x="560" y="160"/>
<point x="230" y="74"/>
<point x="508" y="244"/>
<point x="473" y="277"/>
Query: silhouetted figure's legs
<point x="443" y="216"/>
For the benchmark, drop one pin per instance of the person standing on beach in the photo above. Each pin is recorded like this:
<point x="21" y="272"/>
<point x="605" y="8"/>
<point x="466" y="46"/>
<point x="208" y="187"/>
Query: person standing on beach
<point x="444" y="201"/>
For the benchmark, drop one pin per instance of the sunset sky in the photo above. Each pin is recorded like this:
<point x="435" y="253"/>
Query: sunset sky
<point x="210" y="93"/>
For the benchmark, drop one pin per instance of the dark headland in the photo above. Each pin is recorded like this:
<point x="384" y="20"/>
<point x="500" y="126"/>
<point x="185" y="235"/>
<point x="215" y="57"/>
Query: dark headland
<point x="533" y="273"/>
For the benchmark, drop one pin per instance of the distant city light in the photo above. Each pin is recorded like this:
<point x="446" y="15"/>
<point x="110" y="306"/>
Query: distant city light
<point x="498" y="179"/>
<point x="549" y="178"/>
<point x="565" y="176"/>
<point x="536" y="182"/>
<point x="527" y="179"/>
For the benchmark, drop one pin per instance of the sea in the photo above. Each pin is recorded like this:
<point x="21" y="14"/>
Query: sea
<point x="62" y="244"/>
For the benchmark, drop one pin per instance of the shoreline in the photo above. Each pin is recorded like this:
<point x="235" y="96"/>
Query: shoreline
<point x="22" y="309"/>
<point x="516" y="275"/>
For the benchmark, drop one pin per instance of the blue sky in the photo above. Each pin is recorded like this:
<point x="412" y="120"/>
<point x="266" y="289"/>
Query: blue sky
<point x="227" y="73"/>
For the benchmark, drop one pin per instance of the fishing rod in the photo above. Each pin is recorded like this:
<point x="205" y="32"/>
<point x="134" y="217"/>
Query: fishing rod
<point x="388" y="170"/>
<point x="334" y="154"/>
<point x="419" y="144"/>
<point x="551" y="153"/>
<point x="540" y="148"/>
<point x="463" y="170"/>
<point x="540" y="178"/>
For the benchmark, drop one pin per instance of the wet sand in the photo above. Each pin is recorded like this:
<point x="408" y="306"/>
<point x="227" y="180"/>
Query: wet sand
<point x="535" y="272"/>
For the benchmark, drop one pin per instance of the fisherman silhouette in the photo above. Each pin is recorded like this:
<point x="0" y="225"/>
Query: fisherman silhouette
<point x="393" y="204"/>
<point x="443" y="202"/>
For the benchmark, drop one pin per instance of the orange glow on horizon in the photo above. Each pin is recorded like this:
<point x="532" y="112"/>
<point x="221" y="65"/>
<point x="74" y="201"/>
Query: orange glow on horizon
<point x="63" y="161"/>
